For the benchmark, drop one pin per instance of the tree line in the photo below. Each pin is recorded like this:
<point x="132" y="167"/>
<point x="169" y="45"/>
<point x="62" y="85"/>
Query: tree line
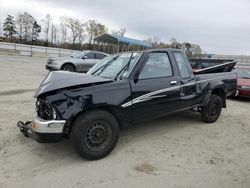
<point x="71" y="33"/>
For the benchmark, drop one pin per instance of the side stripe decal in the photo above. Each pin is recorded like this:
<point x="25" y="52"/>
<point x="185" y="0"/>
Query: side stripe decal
<point x="150" y="96"/>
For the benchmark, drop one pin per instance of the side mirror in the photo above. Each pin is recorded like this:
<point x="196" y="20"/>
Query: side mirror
<point x="85" y="57"/>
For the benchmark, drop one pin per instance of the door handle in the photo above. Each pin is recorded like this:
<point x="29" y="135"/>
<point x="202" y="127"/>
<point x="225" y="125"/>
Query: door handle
<point x="173" y="82"/>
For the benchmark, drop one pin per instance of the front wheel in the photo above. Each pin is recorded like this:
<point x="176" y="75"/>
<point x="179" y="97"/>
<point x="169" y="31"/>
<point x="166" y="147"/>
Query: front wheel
<point x="68" y="67"/>
<point x="95" y="134"/>
<point x="211" y="112"/>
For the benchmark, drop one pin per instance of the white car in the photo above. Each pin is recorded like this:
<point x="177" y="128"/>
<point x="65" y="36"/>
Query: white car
<point x="77" y="62"/>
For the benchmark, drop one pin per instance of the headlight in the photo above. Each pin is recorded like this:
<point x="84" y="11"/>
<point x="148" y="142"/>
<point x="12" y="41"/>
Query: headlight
<point x="50" y="111"/>
<point x="54" y="113"/>
<point x="45" y="110"/>
<point x="55" y="61"/>
<point x="49" y="61"/>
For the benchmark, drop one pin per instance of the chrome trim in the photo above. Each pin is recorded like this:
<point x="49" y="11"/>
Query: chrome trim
<point x="236" y="93"/>
<point x="244" y="87"/>
<point x="173" y="82"/>
<point x="47" y="126"/>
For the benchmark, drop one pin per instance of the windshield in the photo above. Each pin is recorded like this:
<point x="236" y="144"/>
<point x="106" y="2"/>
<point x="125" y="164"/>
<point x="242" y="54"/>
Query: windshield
<point x="116" y="65"/>
<point x="243" y="73"/>
<point x="77" y="54"/>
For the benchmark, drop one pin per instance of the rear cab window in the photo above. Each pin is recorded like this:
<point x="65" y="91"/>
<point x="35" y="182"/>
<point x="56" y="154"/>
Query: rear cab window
<point x="182" y="65"/>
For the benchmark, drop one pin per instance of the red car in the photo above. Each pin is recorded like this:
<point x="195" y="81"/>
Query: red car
<point x="243" y="83"/>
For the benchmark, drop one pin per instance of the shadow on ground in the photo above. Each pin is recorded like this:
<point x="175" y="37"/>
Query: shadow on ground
<point x="64" y="149"/>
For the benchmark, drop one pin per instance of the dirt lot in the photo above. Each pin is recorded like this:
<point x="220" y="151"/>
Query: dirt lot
<point x="176" y="151"/>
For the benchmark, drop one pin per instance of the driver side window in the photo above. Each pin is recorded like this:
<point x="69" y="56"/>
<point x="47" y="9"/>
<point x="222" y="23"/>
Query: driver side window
<point x="157" y="65"/>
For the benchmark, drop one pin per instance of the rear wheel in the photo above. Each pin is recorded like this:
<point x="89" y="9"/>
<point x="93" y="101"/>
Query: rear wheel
<point x="211" y="112"/>
<point x="95" y="134"/>
<point x="68" y="67"/>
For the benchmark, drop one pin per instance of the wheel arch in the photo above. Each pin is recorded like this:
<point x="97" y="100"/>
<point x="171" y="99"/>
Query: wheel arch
<point x="221" y="92"/>
<point x="70" y="63"/>
<point x="114" y="110"/>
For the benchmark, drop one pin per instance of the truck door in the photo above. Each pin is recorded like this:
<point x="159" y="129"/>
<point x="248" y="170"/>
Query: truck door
<point x="188" y="94"/>
<point x="157" y="89"/>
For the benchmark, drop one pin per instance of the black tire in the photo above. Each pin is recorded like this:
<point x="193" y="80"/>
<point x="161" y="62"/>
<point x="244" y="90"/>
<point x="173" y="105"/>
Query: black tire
<point x="95" y="134"/>
<point x="211" y="112"/>
<point x="68" y="67"/>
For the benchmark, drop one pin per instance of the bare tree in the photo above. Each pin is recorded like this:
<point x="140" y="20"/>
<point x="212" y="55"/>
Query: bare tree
<point x="188" y="49"/>
<point x="198" y="52"/>
<point x="94" y="29"/>
<point x="119" y="32"/>
<point x="19" y="23"/>
<point x="25" y="23"/>
<point x="75" y="27"/>
<point x="28" y="25"/>
<point x="52" y="30"/>
<point x="81" y="35"/>
<point x="173" y="40"/>
<point x="175" y="44"/>
<point x="54" y="33"/>
<point x="63" y="28"/>
<point x="47" y="23"/>
<point x="154" y="41"/>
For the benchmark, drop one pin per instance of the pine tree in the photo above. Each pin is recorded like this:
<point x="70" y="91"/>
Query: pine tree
<point x="9" y="27"/>
<point x="36" y="30"/>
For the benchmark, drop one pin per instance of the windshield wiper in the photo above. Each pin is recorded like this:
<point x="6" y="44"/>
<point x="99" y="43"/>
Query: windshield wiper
<point x="125" y="67"/>
<point x="103" y="67"/>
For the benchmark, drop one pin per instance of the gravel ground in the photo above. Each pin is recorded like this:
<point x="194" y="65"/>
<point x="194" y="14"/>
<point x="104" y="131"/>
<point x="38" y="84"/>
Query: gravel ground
<point x="176" y="151"/>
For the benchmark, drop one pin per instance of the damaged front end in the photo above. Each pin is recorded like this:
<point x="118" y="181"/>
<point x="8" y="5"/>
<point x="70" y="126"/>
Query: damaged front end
<point x="52" y="111"/>
<point x="44" y="127"/>
<point x="59" y="97"/>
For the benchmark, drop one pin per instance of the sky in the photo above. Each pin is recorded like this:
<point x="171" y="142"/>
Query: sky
<point x="218" y="26"/>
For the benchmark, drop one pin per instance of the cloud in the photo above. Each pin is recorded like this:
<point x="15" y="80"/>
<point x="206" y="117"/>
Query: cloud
<point x="217" y="26"/>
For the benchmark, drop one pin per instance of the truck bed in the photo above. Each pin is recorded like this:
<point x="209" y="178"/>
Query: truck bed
<point x="227" y="78"/>
<point x="205" y="66"/>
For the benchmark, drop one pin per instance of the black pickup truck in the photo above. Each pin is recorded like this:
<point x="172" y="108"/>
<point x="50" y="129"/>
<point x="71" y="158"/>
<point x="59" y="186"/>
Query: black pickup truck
<point x="122" y="90"/>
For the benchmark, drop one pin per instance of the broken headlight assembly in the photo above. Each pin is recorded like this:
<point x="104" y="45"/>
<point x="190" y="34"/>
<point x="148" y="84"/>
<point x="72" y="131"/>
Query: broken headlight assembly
<point x="45" y="110"/>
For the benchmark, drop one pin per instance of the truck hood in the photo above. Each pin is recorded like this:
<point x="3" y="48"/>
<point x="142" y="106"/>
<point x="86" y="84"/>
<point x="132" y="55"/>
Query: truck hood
<point x="63" y="79"/>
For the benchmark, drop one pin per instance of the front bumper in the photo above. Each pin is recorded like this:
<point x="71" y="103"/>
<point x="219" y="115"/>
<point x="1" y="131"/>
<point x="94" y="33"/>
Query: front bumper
<point x="43" y="131"/>
<point x="52" y="67"/>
